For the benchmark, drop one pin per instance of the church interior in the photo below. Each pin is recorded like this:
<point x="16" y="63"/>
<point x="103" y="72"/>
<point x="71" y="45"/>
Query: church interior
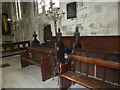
<point x="60" y="44"/>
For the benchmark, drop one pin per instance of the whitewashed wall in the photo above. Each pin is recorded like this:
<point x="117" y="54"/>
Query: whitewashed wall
<point x="94" y="19"/>
<point x="100" y="18"/>
<point x="41" y="21"/>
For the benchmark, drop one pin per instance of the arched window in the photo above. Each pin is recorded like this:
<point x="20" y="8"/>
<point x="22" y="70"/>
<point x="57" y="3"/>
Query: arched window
<point x="43" y="5"/>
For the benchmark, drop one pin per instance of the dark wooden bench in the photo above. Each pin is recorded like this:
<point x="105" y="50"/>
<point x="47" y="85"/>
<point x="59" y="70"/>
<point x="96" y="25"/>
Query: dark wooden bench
<point x="40" y="58"/>
<point x="91" y="69"/>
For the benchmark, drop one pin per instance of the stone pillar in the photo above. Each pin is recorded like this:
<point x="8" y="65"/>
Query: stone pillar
<point x="22" y="33"/>
<point x="15" y="36"/>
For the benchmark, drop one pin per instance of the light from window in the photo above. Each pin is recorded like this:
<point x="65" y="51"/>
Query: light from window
<point x="45" y="4"/>
<point x="40" y="4"/>
<point x="18" y="10"/>
<point x="56" y="3"/>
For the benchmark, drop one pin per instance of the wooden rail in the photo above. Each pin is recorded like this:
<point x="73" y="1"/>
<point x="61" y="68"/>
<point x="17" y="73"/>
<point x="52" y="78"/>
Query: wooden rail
<point x="104" y="63"/>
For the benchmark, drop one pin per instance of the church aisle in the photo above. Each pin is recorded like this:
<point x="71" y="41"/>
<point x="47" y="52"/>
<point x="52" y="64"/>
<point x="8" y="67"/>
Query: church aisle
<point x="29" y="77"/>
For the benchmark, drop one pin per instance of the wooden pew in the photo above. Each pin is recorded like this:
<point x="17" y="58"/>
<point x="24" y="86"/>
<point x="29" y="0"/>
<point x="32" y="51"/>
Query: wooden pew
<point x="91" y="69"/>
<point x="40" y="58"/>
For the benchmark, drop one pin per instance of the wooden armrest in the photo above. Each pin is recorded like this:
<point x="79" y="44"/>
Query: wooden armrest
<point x="87" y="81"/>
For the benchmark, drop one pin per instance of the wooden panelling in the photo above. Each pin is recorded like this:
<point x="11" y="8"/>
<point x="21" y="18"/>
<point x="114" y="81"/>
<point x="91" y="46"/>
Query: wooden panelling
<point x="94" y="43"/>
<point x="67" y="40"/>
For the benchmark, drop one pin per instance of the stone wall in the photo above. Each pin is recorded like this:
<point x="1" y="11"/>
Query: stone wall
<point x="41" y="21"/>
<point x="0" y="22"/>
<point x="6" y="8"/>
<point x="93" y="18"/>
<point x="22" y="29"/>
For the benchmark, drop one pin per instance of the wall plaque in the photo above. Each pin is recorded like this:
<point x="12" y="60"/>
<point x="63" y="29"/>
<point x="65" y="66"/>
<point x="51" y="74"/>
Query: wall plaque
<point x="71" y="10"/>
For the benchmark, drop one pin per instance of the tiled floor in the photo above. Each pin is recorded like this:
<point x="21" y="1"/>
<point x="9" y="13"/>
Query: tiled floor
<point x="29" y="77"/>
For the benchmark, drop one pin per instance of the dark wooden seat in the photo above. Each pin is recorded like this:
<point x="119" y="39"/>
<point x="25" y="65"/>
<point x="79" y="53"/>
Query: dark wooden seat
<point x="40" y="58"/>
<point x="86" y="81"/>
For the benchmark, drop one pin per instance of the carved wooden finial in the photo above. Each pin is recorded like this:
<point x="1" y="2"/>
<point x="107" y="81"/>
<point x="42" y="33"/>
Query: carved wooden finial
<point x="35" y="35"/>
<point x="59" y="34"/>
<point x="77" y="38"/>
<point x="77" y="34"/>
<point x="35" y="42"/>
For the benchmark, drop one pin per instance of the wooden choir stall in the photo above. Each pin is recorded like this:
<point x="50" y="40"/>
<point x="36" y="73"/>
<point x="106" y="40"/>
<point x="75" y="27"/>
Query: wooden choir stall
<point x="91" y="69"/>
<point x="45" y="56"/>
<point x="40" y="55"/>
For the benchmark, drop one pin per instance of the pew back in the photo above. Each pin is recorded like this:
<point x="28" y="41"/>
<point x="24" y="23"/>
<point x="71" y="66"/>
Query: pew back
<point x="100" y="65"/>
<point x="91" y="69"/>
